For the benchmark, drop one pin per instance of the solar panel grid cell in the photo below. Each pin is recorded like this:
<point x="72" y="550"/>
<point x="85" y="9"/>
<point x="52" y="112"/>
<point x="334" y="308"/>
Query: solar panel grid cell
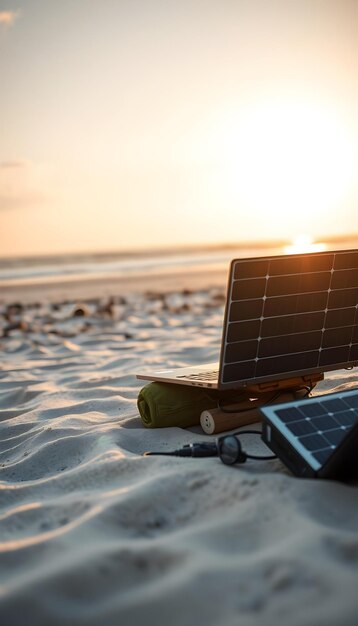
<point x="314" y="442"/>
<point x="322" y="455"/>
<point x="340" y="317"/>
<point x="352" y="401"/>
<point x="302" y="427"/>
<point x="345" y="260"/>
<point x="343" y="298"/>
<point x="300" y="314"/>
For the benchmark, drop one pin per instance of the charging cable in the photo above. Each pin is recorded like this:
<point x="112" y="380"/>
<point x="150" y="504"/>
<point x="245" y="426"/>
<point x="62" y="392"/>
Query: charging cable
<point x="227" y="448"/>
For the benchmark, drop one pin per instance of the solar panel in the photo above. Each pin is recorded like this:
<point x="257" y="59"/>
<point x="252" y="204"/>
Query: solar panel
<point x="315" y="437"/>
<point x="290" y="315"/>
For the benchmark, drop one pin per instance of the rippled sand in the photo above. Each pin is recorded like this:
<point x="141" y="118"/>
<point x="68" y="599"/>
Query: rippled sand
<point x="94" y="533"/>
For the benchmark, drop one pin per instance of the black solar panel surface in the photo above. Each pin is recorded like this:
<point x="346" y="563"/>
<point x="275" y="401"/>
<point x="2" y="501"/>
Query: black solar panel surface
<point x="291" y="314"/>
<point x="316" y="427"/>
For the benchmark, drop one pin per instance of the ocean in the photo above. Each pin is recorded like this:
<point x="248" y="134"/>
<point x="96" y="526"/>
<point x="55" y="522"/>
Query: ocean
<point x="77" y="267"/>
<point x="91" y="274"/>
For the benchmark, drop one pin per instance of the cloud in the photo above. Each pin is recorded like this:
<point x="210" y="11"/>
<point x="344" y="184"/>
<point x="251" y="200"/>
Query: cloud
<point x="13" y="164"/>
<point x="23" y="184"/>
<point x="8" y="18"/>
<point x="20" y="200"/>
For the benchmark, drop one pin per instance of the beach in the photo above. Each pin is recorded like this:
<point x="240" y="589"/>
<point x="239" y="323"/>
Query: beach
<point x="93" y="532"/>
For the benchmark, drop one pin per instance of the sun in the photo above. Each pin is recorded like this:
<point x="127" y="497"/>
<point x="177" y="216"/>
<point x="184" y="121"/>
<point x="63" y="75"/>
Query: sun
<point x="286" y="162"/>
<point x="277" y="166"/>
<point x="304" y="243"/>
<point x="297" y="159"/>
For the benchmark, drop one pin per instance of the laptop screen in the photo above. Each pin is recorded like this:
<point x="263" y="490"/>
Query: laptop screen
<point x="288" y="316"/>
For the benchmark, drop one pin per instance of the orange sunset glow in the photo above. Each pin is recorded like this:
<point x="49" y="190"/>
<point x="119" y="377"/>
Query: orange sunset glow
<point x="137" y="125"/>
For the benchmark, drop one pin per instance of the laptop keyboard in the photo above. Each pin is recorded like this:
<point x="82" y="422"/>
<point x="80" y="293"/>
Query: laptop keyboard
<point x="212" y="375"/>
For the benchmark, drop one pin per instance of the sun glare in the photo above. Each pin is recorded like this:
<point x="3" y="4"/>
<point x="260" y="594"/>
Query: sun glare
<point x="287" y="162"/>
<point x="297" y="160"/>
<point x="304" y="243"/>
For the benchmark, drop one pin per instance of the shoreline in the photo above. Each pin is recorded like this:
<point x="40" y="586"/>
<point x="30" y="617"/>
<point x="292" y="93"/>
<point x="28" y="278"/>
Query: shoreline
<point x="95" y="287"/>
<point x="106" y="281"/>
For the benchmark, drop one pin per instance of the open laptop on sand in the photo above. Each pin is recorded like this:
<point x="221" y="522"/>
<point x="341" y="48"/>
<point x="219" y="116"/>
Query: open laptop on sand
<point x="286" y="317"/>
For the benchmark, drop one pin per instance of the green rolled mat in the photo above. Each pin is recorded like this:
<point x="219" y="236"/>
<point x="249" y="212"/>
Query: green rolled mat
<point x="162" y="405"/>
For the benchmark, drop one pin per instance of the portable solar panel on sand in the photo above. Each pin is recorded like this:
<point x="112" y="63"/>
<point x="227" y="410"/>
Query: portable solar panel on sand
<point x="291" y="314"/>
<point x="285" y="317"/>
<point x="316" y="437"/>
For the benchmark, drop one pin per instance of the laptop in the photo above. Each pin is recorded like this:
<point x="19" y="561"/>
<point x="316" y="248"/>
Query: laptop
<point x="286" y="317"/>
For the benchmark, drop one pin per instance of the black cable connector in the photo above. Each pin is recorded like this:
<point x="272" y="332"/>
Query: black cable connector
<point x="202" y="449"/>
<point x="192" y="449"/>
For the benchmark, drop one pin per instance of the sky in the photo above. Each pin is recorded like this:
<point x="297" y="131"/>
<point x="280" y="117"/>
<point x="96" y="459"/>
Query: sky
<point x="129" y="124"/>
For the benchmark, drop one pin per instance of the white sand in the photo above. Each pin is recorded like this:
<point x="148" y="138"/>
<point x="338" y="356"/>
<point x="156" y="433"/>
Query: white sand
<point x="92" y="533"/>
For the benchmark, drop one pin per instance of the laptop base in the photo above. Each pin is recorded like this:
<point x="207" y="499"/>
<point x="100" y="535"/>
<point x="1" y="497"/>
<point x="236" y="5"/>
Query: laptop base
<point x="247" y="411"/>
